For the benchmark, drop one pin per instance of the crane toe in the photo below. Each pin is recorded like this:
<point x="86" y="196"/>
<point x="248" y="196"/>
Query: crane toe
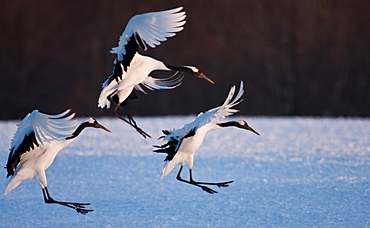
<point x="224" y="184"/>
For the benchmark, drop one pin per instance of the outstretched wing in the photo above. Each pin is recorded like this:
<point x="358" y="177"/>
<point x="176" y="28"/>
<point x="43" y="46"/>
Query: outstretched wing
<point x="35" y="130"/>
<point x="216" y="114"/>
<point x="148" y="29"/>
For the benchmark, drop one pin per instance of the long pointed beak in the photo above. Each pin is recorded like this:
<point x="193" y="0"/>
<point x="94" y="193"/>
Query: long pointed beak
<point x="104" y="128"/>
<point x="252" y="130"/>
<point x="201" y="75"/>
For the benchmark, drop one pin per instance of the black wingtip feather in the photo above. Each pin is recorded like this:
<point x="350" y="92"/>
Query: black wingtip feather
<point x="166" y="132"/>
<point x="191" y="133"/>
<point x="29" y="142"/>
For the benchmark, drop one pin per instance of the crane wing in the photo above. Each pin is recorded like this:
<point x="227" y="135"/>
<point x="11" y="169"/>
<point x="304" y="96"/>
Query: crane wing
<point x="117" y="74"/>
<point x="216" y="114"/>
<point x="36" y="129"/>
<point x="148" y="29"/>
<point x="103" y="100"/>
<point x="172" y="141"/>
<point x="161" y="83"/>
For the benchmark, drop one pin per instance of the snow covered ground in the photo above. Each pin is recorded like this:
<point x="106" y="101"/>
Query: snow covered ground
<point x="301" y="172"/>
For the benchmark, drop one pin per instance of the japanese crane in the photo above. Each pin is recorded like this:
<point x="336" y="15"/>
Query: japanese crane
<point x="181" y="144"/>
<point x="37" y="141"/>
<point x="132" y="70"/>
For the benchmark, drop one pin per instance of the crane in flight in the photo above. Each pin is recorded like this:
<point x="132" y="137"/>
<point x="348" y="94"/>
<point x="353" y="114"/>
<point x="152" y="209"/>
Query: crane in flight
<point x="132" y="70"/>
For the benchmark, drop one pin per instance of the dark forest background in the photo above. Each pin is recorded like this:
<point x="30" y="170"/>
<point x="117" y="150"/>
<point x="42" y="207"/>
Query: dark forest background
<point x="296" y="57"/>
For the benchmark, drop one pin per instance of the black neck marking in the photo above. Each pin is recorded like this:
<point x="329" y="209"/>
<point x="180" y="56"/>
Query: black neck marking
<point x="229" y="124"/>
<point x="180" y="68"/>
<point x="79" y="130"/>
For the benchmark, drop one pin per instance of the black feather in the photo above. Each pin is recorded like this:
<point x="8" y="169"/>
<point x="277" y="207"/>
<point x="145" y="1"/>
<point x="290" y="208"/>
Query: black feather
<point x="166" y="132"/>
<point x="131" y="48"/>
<point x="29" y="142"/>
<point x="170" y="148"/>
<point x="140" y="41"/>
<point x="191" y="133"/>
<point x="116" y="74"/>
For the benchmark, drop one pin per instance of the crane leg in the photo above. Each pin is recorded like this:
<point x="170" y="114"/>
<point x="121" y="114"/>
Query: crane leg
<point x="79" y="207"/>
<point x="130" y="121"/>
<point x="221" y="184"/>
<point x="204" y="188"/>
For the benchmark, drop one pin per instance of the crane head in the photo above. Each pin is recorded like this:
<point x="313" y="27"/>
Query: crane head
<point x="92" y="122"/>
<point x="244" y="125"/>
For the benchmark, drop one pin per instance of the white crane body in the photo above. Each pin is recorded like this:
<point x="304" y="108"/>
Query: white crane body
<point x="181" y="144"/>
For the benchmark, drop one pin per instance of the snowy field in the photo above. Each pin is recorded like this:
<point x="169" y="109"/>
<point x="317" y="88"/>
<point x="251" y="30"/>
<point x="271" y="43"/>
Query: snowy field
<point x="301" y="172"/>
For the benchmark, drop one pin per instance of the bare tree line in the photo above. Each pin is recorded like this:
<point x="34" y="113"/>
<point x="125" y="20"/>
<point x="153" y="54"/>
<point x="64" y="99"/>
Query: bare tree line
<point x="295" y="57"/>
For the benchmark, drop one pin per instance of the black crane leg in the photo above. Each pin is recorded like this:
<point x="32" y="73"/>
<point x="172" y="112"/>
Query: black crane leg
<point x="221" y="184"/>
<point x="130" y="121"/>
<point x="204" y="188"/>
<point x="79" y="207"/>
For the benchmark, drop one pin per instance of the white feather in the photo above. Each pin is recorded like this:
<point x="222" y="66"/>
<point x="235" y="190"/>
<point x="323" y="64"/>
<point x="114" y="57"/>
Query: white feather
<point x="164" y="83"/>
<point x="46" y="127"/>
<point x="205" y="122"/>
<point x="153" y="28"/>
<point x="213" y="115"/>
